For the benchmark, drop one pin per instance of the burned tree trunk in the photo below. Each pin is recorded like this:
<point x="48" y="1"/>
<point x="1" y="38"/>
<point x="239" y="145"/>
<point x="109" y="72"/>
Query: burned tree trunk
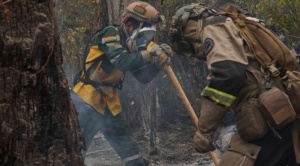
<point x="38" y="120"/>
<point x="101" y="16"/>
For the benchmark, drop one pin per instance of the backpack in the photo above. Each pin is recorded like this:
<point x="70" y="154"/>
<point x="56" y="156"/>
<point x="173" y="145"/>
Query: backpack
<point x="282" y="66"/>
<point x="269" y="50"/>
<point x="274" y="56"/>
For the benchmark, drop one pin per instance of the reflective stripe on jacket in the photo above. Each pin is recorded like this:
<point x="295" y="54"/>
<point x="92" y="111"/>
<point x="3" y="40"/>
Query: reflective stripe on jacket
<point x="226" y="59"/>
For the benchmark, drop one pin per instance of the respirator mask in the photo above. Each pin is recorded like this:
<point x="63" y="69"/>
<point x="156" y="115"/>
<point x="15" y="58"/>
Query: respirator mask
<point x="140" y="38"/>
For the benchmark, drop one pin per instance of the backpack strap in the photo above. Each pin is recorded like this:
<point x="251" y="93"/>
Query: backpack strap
<point x="86" y="72"/>
<point x="86" y="76"/>
<point x="87" y="46"/>
<point x="240" y="20"/>
<point x="96" y="84"/>
<point x="263" y="59"/>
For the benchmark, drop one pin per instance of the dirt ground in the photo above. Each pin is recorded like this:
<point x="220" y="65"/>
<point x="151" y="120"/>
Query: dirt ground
<point x="173" y="147"/>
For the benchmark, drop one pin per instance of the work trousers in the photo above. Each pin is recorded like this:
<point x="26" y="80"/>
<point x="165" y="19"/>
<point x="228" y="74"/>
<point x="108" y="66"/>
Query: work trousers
<point x="277" y="151"/>
<point x="114" y="128"/>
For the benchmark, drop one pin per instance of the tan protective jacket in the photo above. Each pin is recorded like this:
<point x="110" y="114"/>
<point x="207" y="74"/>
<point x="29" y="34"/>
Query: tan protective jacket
<point x="227" y="55"/>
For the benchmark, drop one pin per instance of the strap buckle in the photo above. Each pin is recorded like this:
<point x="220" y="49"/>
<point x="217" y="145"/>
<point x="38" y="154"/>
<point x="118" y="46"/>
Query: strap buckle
<point x="273" y="70"/>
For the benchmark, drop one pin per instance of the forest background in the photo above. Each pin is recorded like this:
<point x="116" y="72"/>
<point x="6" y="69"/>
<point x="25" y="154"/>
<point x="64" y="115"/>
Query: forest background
<point x="79" y="19"/>
<point x="41" y="48"/>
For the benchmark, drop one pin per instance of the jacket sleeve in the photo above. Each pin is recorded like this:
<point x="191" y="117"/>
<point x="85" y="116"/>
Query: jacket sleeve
<point x="226" y="60"/>
<point x="225" y="82"/>
<point x="109" y="42"/>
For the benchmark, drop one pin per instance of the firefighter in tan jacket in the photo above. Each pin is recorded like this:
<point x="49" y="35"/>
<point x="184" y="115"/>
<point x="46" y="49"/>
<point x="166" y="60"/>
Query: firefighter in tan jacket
<point x="232" y="84"/>
<point x="115" y="51"/>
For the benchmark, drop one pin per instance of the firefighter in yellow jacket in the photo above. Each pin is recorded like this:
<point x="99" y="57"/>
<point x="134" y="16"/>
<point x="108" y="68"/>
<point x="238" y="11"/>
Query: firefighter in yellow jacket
<point x="116" y="50"/>
<point x="232" y="84"/>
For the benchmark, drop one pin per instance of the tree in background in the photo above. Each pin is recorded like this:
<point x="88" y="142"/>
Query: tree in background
<point x="38" y="124"/>
<point x="284" y="14"/>
<point x="74" y="25"/>
<point x="79" y="19"/>
<point x="75" y="17"/>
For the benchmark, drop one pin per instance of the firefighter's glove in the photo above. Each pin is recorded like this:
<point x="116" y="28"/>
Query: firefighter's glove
<point x="167" y="49"/>
<point x="160" y="54"/>
<point x="211" y="115"/>
<point x="203" y="143"/>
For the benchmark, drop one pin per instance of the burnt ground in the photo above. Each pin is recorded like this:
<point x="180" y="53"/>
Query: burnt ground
<point x="173" y="147"/>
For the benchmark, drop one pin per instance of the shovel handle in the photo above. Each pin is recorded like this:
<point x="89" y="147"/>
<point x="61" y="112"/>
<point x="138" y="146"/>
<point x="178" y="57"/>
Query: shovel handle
<point x="182" y="95"/>
<point x="187" y="105"/>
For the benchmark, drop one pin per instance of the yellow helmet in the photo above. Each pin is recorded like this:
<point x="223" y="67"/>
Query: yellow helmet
<point x="142" y="12"/>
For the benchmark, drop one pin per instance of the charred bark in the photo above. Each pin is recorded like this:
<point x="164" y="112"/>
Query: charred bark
<point x="101" y="16"/>
<point x="38" y="120"/>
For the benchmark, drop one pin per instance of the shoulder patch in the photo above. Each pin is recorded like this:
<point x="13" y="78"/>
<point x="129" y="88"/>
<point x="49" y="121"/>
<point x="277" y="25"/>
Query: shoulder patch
<point x="208" y="45"/>
<point x="110" y="38"/>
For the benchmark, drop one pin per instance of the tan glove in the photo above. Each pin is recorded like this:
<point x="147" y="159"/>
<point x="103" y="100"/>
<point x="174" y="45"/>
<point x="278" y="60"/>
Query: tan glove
<point x="210" y="117"/>
<point x="203" y="143"/>
<point x="160" y="54"/>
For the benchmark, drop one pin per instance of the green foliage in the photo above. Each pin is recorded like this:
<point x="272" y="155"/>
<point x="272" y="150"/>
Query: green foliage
<point x="282" y="13"/>
<point x="74" y="16"/>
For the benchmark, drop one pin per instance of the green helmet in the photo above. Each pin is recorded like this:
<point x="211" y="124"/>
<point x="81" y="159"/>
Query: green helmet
<point x="178" y="26"/>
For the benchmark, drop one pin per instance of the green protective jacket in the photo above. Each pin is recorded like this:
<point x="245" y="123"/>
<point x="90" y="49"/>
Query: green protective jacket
<point x="110" y="71"/>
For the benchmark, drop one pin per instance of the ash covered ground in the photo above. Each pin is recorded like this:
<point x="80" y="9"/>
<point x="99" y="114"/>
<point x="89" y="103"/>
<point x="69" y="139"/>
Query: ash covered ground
<point x="173" y="146"/>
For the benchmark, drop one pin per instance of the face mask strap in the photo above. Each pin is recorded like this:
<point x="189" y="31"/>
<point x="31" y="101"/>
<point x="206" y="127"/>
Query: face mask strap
<point x="133" y="46"/>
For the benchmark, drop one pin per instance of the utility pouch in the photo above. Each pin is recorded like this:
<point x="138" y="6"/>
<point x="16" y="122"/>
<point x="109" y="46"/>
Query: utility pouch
<point x="291" y="82"/>
<point x="249" y="121"/>
<point x="276" y="108"/>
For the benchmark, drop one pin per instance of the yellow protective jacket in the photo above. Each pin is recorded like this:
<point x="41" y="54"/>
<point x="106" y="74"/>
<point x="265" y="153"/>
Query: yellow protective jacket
<point x="108" y="71"/>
